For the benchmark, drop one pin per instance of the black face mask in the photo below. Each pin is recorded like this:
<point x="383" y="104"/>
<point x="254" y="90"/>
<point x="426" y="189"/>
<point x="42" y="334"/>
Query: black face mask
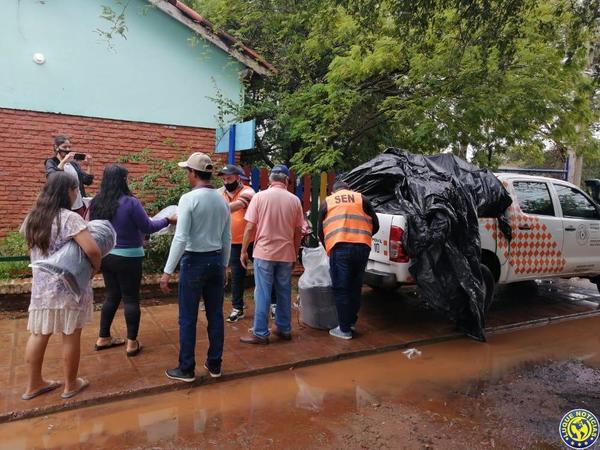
<point x="231" y="186"/>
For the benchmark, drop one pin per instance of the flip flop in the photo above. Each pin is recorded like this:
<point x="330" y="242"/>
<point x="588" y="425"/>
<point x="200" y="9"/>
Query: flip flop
<point x="136" y="351"/>
<point x="83" y="383"/>
<point x="115" y="342"/>
<point x="49" y="387"/>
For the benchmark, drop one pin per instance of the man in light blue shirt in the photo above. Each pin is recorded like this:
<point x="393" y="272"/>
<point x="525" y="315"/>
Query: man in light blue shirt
<point x="203" y="242"/>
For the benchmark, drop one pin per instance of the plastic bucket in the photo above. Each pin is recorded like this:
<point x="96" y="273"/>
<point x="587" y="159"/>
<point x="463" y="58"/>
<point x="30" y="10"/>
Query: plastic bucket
<point x="317" y="307"/>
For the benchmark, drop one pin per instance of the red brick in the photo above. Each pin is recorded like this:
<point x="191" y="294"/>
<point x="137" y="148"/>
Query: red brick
<point x="29" y="134"/>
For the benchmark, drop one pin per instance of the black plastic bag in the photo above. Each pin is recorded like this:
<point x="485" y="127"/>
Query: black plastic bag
<point x="441" y="197"/>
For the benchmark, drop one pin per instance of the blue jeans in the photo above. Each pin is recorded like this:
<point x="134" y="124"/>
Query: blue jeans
<point x="201" y="276"/>
<point x="347" y="263"/>
<point x="238" y="277"/>
<point x="272" y="276"/>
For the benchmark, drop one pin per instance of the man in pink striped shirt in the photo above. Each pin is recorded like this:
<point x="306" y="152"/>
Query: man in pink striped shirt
<point x="275" y="222"/>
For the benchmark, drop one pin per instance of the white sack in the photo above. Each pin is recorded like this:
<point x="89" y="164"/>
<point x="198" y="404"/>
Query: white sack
<point x="169" y="211"/>
<point x="72" y="264"/>
<point x="316" y="268"/>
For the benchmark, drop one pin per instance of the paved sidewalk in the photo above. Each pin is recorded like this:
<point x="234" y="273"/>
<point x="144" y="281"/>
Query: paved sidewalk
<point x="386" y="322"/>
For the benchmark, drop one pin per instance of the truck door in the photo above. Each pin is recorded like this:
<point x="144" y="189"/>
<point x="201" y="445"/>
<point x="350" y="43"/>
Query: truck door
<point x="581" y="225"/>
<point x="536" y="246"/>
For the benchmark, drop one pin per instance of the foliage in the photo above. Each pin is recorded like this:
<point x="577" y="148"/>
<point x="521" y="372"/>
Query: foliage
<point x="157" y="252"/>
<point x="117" y="23"/>
<point x="355" y="76"/>
<point x="163" y="182"/>
<point x="14" y="245"/>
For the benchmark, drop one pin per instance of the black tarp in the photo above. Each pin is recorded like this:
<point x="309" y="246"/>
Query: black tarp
<point x="441" y="197"/>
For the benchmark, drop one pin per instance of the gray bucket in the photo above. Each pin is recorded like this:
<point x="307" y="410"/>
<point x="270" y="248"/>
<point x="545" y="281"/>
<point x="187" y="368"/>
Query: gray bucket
<point x="317" y="307"/>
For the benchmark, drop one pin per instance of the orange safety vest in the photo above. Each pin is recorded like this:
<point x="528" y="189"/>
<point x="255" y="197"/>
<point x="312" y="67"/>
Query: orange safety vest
<point x="238" y="223"/>
<point x="345" y="220"/>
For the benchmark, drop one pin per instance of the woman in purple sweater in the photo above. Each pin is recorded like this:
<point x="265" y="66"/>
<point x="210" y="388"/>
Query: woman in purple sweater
<point x="122" y="267"/>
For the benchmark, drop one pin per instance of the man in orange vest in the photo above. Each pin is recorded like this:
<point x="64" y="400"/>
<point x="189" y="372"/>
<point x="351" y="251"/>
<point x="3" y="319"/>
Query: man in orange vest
<point x="238" y="198"/>
<point x="346" y="223"/>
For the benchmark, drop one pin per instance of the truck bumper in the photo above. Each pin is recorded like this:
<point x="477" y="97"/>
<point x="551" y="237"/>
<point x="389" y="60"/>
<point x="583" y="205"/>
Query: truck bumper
<point x="379" y="279"/>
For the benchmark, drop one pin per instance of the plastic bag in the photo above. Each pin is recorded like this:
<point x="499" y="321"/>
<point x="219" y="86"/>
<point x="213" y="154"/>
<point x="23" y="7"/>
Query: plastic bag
<point x="316" y="268"/>
<point x="412" y="353"/>
<point x="441" y="197"/>
<point x="163" y="213"/>
<point x="72" y="264"/>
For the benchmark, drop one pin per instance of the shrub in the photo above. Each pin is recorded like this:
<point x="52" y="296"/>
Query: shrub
<point x="157" y="251"/>
<point x="14" y="245"/>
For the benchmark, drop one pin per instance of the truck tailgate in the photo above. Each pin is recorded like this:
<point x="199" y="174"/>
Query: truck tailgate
<point x="380" y="270"/>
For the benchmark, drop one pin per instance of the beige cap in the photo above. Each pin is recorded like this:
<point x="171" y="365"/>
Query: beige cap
<point x="198" y="161"/>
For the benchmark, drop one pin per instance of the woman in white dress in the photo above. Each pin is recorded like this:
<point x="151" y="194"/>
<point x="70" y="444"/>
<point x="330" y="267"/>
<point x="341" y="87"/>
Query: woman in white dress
<point x="53" y="308"/>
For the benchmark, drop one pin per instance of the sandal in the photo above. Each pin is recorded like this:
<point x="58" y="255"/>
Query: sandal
<point x="82" y="384"/>
<point x="49" y="387"/>
<point x="115" y="342"/>
<point x="136" y="351"/>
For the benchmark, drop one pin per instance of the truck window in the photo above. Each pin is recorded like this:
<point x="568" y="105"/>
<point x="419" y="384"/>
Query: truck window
<point x="534" y="198"/>
<point x="575" y="204"/>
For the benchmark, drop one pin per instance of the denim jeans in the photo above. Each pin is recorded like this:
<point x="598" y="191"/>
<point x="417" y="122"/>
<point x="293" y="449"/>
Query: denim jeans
<point x="201" y="277"/>
<point x="347" y="263"/>
<point x="272" y="276"/>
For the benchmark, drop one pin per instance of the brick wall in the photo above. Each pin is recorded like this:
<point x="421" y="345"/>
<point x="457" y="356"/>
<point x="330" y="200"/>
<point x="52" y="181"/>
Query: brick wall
<point x="26" y="142"/>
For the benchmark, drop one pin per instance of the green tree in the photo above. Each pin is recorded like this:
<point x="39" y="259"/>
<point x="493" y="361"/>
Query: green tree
<point x="356" y="76"/>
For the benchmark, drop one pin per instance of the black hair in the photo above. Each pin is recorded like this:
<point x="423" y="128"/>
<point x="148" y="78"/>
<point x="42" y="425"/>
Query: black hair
<point x="60" y="140"/>
<point x="113" y="186"/>
<point x="204" y="176"/>
<point x="340" y="185"/>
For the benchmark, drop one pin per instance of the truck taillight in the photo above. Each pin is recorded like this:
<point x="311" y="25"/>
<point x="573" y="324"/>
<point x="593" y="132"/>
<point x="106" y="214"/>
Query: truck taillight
<point x="397" y="253"/>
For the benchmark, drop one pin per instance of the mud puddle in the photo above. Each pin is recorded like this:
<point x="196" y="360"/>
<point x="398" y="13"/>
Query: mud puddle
<point x="508" y="393"/>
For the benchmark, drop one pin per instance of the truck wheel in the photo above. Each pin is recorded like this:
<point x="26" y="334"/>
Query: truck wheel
<point x="489" y="284"/>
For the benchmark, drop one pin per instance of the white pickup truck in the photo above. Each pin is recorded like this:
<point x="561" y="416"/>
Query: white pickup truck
<point x="555" y="233"/>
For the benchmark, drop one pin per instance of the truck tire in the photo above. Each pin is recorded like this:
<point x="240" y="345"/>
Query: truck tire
<point x="489" y="284"/>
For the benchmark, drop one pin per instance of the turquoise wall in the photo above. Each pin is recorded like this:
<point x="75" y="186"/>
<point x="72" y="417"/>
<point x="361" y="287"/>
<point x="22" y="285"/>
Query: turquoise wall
<point x="155" y="75"/>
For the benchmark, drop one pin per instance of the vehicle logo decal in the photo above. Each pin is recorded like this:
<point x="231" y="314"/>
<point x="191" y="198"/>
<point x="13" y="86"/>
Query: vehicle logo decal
<point x="582" y="235"/>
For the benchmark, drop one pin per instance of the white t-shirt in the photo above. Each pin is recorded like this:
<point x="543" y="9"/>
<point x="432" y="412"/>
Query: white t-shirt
<point x="78" y="203"/>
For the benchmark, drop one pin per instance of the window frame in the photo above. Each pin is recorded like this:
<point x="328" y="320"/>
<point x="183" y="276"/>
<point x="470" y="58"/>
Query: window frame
<point x="587" y="197"/>
<point x="553" y="200"/>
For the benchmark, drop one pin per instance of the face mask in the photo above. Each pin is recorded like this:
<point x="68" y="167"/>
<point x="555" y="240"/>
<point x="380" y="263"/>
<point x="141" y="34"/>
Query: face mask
<point x="231" y="186"/>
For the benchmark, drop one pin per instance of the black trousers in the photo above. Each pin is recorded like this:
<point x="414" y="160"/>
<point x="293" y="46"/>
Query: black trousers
<point x="122" y="278"/>
<point x="238" y="275"/>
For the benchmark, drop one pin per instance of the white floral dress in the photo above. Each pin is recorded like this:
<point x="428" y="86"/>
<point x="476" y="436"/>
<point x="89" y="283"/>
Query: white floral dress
<point x="53" y="308"/>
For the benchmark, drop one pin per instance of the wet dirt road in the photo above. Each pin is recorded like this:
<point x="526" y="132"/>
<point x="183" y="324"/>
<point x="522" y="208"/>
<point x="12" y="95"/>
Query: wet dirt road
<point x="508" y="393"/>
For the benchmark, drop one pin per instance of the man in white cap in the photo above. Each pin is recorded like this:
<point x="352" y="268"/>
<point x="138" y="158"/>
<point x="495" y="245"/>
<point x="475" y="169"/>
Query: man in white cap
<point x="203" y="242"/>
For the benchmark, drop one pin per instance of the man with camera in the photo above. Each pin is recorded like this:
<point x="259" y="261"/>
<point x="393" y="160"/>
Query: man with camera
<point x="66" y="160"/>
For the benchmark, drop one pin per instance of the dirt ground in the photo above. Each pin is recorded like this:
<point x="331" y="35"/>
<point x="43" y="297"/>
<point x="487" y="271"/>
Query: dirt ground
<point x="517" y="411"/>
